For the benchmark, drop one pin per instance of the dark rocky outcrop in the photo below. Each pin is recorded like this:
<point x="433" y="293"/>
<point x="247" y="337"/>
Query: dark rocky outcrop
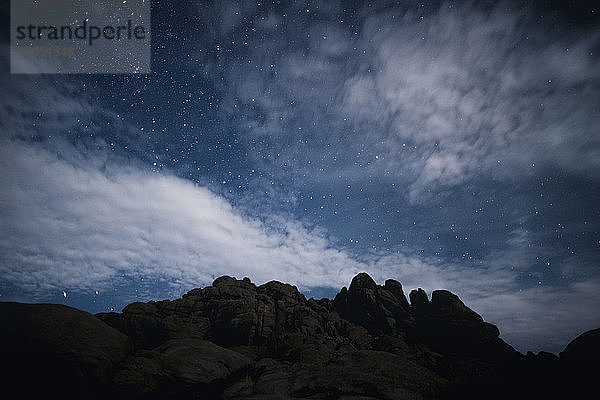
<point x="180" y="367"/>
<point x="49" y="348"/>
<point x="236" y="340"/>
<point x="584" y="347"/>
<point x="379" y="309"/>
<point x="580" y="358"/>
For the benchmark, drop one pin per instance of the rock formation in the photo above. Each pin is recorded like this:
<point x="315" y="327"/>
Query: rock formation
<point x="234" y="340"/>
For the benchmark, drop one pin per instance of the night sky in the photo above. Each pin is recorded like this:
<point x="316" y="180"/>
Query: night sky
<point x="450" y="145"/>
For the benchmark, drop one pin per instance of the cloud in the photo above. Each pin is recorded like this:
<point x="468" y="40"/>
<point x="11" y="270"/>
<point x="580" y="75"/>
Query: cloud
<point x="69" y="225"/>
<point x="544" y="318"/>
<point x="460" y="94"/>
<point x="444" y="95"/>
<point x="472" y="87"/>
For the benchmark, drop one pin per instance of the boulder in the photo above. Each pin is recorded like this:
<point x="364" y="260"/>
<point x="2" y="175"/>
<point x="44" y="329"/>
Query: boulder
<point x="584" y="347"/>
<point x="395" y="288"/>
<point x="418" y="301"/>
<point x="181" y="367"/>
<point x="578" y="361"/>
<point x="55" y="350"/>
<point x="379" y="309"/>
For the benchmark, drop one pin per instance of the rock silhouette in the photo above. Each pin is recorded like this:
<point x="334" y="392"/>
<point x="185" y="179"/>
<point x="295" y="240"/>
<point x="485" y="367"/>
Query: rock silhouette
<point x="236" y="340"/>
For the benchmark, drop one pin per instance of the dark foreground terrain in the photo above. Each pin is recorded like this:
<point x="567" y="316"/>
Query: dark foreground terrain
<point x="234" y="340"/>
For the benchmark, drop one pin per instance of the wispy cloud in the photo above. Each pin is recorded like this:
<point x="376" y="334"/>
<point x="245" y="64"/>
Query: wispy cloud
<point x="463" y="93"/>
<point x="71" y="225"/>
<point x="543" y="318"/>
<point x="68" y="225"/>
<point x="475" y="89"/>
<point x="442" y="95"/>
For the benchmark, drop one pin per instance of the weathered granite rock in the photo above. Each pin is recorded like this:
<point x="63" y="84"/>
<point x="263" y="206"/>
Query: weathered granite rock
<point x="193" y="367"/>
<point x="234" y="340"/>
<point x="274" y="319"/>
<point x="446" y="325"/>
<point x="379" y="309"/>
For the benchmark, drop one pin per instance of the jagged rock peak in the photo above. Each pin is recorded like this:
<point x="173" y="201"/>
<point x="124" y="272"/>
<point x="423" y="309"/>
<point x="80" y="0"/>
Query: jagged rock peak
<point x="359" y="282"/>
<point x="444" y="296"/>
<point x="418" y="298"/>
<point x="362" y="281"/>
<point x="223" y="282"/>
<point x="225" y="279"/>
<point x="395" y="288"/>
<point x="393" y="285"/>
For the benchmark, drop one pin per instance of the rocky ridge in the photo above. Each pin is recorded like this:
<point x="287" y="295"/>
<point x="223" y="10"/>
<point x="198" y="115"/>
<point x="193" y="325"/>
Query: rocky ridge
<point x="236" y="340"/>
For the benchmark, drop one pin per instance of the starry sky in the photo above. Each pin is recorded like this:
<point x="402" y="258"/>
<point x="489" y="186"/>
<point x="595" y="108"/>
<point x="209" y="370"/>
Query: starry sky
<point x="450" y="145"/>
